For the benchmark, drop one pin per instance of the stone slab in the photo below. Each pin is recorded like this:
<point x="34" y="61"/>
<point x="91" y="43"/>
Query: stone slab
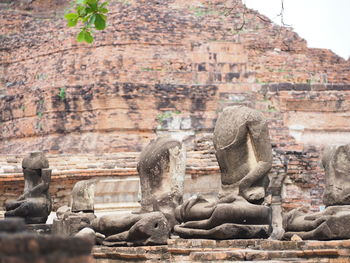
<point x="39" y="228"/>
<point x="252" y="250"/>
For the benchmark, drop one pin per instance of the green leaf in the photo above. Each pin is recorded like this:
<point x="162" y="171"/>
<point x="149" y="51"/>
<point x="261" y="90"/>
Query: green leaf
<point x="103" y="10"/>
<point x="81" y="2"/>
<point x="100" y="22"/>
<point x="92" y="19"/>
<point x="88" y="37"/>
<point x="81" y="36"/>
<point x="71" y="16"/>
<point x="81" y="10"/>
<point x="104" y="4"/>
<point x="72" y="22"/>
<point x="86" y="18"/>
<point x="92" y="4"/>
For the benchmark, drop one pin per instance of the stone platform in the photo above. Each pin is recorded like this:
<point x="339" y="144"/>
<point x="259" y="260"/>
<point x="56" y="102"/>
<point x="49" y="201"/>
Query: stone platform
<point x="201" y="250"/>
<point x="33" y="248"/>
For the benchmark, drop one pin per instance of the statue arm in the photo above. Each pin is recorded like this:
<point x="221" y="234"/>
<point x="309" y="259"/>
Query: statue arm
<point x="42" y="187"/>
<point x="259" y="137"/>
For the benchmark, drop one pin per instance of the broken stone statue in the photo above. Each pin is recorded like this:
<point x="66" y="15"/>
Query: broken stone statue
<point x="333" y="221"/>
<point x="244" y="154"/>
<point x="71" y="220"/>
<point x="34" y="205"/>
<point x="161" y="169"/>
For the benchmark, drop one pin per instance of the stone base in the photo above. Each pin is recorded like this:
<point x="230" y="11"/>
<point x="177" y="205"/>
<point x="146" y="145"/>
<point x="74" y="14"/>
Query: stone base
<point x="39" y="228"/>
<point x="33" y="248"/>
<point x="204" y="250"/>
<point x="225" y="231"/>
<point x="71" y="223"/>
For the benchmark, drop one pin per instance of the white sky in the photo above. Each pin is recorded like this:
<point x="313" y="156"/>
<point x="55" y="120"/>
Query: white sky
<point x="323" y="23"/>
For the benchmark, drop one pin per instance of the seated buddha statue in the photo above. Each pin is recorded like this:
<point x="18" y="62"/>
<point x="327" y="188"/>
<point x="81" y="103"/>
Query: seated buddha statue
<point x="34" y="205"/>
<point x="243" y="151"/>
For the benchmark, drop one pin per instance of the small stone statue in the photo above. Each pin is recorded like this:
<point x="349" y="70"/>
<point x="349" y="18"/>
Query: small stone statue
<point x="34" y="205"/>
<point x="244" y="154"/>
<point x="333" y="222"/>
<point x="336" y="162"/>
<point x="162" y="170"/>
<point x="71" y="220"/>
<point x="82" y="197"/>
<point x="138" y="229"/>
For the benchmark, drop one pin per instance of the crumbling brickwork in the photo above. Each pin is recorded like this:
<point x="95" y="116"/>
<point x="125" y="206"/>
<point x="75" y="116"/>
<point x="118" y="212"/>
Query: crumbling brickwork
<point x="169" y="66"/>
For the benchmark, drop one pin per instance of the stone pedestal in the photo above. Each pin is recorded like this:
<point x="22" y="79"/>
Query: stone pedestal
<point x="39" y="228"/>
<point x="251" y="250"/>
<point x="18" y="245"/>
<point x="33" y="248"/>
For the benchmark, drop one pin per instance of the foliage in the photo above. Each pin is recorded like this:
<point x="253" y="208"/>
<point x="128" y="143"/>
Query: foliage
<point x="62" y="93"/>
<point x="91" y="14"/>
<point x="166" y="115"/>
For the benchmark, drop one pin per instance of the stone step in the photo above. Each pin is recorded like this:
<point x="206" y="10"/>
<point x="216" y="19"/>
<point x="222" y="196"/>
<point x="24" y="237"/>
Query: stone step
<point x="196" y="250"/>
<point x="13" y="163"/>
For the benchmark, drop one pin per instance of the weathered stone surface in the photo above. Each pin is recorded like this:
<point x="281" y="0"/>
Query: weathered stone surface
<point x="83" y="195"/>
<point x="33" y="248"/>
<point x="71" y="223"/>
<point x="39" y="228"/>
<point x="243" y="150"/>
<point x="196" y="61"/>
<point x="61" y="211"/>
<point x="332" y="223"/>
<point x="34" y="205"/>
<point x="161" y="169"/>
<point x="12" y="225"/>
<point x="336" y="162"/>
<point x="144" y="229"/>
<point x="225" y="231"/>
<point x="202" y="250"/>
<point x="87" y="233"/>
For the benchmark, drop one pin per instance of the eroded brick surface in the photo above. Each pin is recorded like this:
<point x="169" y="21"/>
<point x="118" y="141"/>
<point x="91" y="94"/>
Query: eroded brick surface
<point x="169" y="66"/>
<point x="199" y="250"/>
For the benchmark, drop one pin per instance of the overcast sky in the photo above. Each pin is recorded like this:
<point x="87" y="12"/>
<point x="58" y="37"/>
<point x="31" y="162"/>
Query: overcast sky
<point x="323" y="23"/>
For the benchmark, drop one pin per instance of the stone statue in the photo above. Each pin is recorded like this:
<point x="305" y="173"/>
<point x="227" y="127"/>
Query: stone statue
<point x="244" y="154"/>
<point x="162" y="170"/>
<point x="138" y="229"/>
<point x="336" y="162"/>
<point x="82" y="198"/>
<point x="71" y="220"/>
<point x="34" y="205"/>
<point x="331" y="223"/>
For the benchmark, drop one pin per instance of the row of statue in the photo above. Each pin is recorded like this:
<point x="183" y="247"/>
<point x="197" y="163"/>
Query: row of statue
<point x="244" y="153"/>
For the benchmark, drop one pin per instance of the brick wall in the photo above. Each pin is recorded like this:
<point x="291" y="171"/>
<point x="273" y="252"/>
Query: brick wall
<point x="169" y="67"/>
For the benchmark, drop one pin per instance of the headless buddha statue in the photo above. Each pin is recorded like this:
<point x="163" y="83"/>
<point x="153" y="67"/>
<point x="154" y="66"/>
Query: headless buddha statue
<point x="34" y="205"/>
<point x="162" y="171"/>
<point x="332" y="222"/>
<point x="244" y="154"/>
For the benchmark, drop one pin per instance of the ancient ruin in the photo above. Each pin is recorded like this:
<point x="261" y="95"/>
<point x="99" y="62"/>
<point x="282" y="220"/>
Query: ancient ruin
<point x="83" y="194"/>
<point x="169" y="68"/>
<point x="70" y="220"/>
<point x="162" y="170"/>
<point x="18" y="245"/>
<point x="243" y="151"/>
<point x="34" y="205"/>
<point x="333" y="221"/>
